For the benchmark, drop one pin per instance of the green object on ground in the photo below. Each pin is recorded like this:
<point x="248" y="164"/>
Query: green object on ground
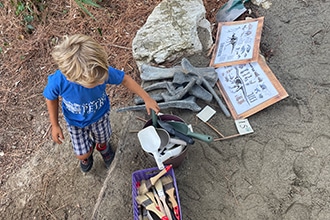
<point x="183" y="128"/>
<point x="231" y="10"/>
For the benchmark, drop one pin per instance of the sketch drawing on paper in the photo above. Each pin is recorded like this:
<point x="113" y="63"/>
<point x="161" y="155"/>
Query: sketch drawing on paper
<point x="232" y="41"/>
<point x="238" y="85"/>
<point x="246" y="85"/>
<point x="236" y="42"/>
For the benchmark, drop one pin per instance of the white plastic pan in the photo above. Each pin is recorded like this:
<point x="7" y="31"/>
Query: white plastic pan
<point x="150" y="142"/>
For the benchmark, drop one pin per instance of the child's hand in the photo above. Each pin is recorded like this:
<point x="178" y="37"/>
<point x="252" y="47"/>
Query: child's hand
<point x="132" y="85"/>
<point x="57" y="134"/>
<point x="151" y="104"/>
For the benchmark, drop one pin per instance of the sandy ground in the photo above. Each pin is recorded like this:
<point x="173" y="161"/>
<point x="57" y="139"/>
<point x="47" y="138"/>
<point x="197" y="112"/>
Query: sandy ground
<point x="281" y="171"/>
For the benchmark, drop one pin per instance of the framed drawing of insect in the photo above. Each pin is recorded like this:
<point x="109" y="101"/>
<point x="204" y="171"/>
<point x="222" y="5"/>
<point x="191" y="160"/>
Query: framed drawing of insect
<point x="237" y="42"/>
<point x="249" y="88"/>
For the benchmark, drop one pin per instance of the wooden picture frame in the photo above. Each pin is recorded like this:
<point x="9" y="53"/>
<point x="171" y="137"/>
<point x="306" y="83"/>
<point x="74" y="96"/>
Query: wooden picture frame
<point x="237" y="42"/>
<point x="249" y="88"/>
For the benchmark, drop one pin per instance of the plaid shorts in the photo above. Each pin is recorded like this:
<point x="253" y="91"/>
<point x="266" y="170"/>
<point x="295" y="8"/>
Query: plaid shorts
<point x="84" y="138"/>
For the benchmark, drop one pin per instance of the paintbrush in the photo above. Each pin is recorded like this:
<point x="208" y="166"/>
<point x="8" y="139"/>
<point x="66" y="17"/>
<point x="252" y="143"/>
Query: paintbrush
<point x="168" y="185"/>
<point x="153" y="199"/>
<point x="149" y="216"/>
<point x="150" y="206"/>
<point x="143" y="213"/>
<point x="158" y="200"/>
<point x="141" y="183"/>
<point x="145" y="186"/>
<point x="140" y="212"/>
<point x="162" y="197"/>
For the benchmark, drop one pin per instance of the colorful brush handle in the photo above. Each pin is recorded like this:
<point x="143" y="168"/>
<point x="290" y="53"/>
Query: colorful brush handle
<point x="154" y="179"/>
<point x="150" y="206"/>
<point x="161" y="194"/>
<point x="172" y="199"/>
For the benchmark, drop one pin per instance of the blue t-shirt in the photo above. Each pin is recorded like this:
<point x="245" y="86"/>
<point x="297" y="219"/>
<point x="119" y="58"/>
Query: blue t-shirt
<point x="81" y="106"/>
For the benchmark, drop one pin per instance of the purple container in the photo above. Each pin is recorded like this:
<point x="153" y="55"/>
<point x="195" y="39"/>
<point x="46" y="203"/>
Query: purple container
<point x="145" y="174"/>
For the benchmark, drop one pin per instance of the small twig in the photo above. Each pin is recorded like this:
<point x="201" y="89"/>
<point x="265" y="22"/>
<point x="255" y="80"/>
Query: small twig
<point x="228" y="137"/>
<point x="49" y="211"/>
<point x="141" y="119"/>
<point x="211" y="50"/>
<point x="47" y="131"/>
<point x="216" y="130"/>
<point x="30" y="97"/>
<point x="61" y="207"/>
<point x="319" y="31"/>
<point x="248" y="181"/>
<point x="231" y="190"/>
<point x="45" y="189"/>
<point x="130" y="66"/>
<point x="122" y="47"/>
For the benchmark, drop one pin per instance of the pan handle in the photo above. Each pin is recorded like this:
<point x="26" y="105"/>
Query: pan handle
<point x="177" y="141"/>
<point x="158" y="160"/>
<point x="154" y="118"/>
<point x="202" y="137"/>
<point x="169" y="128"/>
<point x="183" y="137"/>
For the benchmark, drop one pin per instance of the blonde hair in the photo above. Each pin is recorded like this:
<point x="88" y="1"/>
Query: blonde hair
<point x="82" y="60"/>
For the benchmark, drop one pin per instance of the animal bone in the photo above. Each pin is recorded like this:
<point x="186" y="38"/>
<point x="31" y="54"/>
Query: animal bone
<point x="201" y="93"/>
<point x="188" y="103"/>
<point x="149" y="73"/>
<point x="181" y="77"/>
<point x="186" y="65"/>
<point x="181" y="93"/>
<point x="192" y="86"/>
<point x="161" y="85"/>
<point x="197" y="91"/>
<point x="157" y="97"/>
<point x="186" y="80"/>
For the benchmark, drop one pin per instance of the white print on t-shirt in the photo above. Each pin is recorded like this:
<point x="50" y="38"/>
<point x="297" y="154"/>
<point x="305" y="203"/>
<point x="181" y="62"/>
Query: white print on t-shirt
<point x="85" y="108"/>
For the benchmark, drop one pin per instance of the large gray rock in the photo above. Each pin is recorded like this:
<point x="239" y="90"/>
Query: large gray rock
<point x="173" y="29"/>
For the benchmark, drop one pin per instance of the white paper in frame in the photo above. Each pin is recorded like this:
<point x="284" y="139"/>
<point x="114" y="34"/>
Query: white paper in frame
<point x="237" y="42"/>
<point x="249" y="88"/>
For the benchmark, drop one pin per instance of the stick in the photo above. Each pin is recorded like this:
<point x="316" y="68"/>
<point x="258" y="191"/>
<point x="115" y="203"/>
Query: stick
<point x="228" y="137"/>
<point x="47" y="131"/>
<point x="211" y="50"/>
<point x="217" y="131"/>
<point x="49" y="211"/>
<point x="141" y="119"/>
<point x="231" y="190"/>
<point x="122" y="47"/>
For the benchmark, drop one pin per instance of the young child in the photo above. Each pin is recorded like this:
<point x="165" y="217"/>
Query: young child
<point x="81" y="81"/>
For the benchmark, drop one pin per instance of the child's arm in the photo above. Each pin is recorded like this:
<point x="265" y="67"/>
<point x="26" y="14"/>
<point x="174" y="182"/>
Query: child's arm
<point x="57" y="134"/>
<point x="132" y="85"/>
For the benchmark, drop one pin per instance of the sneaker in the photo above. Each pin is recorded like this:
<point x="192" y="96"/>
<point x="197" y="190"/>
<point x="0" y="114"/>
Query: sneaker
<point x="87" y="164"/>
<point x="107" y="154"/>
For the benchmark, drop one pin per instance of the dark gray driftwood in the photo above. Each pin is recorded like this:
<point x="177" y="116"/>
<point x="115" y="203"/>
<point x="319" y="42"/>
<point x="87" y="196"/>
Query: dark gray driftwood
<point x="188" y="68"/>
<point x="157" y="97"/>
<point x="201" y="93"/>
<point x="149" y="73"/>
<point x="161" y="85"/>
<point x="188" y="103"/>
<point x="181" y="93"/>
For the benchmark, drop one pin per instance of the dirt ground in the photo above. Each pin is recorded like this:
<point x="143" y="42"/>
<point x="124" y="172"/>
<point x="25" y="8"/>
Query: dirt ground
<point x="281" y="171"/>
